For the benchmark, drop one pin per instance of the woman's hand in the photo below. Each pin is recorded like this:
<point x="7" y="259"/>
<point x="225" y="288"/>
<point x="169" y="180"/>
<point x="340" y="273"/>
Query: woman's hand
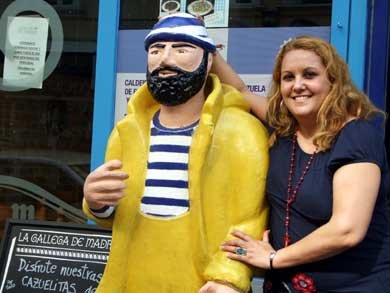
<point x="248" y="250"/>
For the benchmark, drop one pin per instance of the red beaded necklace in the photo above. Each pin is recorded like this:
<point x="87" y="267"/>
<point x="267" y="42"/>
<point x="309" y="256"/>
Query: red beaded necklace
<point x="292" y="193"/>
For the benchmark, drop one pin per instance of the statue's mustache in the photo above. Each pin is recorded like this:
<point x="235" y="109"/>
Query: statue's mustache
<point x="175" y="69"/>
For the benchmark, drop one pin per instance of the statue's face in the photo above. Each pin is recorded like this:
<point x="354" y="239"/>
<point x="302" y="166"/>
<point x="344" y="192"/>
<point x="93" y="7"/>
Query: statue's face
<point x="184" y="55"/>
<point x="176" y="71"/>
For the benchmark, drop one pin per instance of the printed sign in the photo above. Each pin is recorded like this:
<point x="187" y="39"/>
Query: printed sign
<point x="126" y="85"/>
<point x="214" y="12"/>
<point x="52" y="257"/>
<point x="25" y="51"/>
<point x="258" y="83"/>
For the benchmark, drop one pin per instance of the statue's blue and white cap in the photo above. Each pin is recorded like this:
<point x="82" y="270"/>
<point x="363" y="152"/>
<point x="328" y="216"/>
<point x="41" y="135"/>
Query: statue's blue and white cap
<point x="182" y="27"/>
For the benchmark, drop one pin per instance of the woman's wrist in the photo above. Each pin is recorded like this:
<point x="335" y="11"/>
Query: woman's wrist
<point x="271" y="259"/>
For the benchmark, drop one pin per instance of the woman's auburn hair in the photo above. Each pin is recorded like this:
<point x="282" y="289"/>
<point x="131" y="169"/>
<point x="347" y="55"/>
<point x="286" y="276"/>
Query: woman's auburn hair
<point x="343" y="103"/>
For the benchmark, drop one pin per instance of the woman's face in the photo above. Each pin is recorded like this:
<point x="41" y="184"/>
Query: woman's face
<point x="304" y="83"/>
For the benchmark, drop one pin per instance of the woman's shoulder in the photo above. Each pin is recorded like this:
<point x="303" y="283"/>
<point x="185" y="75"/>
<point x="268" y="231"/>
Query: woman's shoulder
<point x="360" y="132"/>
<point x="354" y="124"/>
<point x="358" y="141"/>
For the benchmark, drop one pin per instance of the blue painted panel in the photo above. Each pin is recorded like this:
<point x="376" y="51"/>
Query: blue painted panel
<point x="358" y="41"/>
<point x="340" y="27"/>
<point x="105" y="81"/>
<point x="132" y="56"/>
<point x="262" y="45"/>
<point x="377" y="83"/>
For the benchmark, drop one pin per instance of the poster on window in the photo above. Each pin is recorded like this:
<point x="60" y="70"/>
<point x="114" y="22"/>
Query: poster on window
<point x="25" y="51"/>
<point x="126" y="85"/>
<point x="214" y="12"/>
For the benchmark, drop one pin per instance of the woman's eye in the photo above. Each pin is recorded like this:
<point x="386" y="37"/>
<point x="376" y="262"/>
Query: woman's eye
<point x="310" y="74"/>
<point x="287" y="77"/>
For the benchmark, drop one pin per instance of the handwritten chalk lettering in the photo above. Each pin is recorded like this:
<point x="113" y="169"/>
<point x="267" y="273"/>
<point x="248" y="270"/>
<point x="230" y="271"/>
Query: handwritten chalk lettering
<point x="82" y="272"/>
<point x="10" y="285"/>
<point x="90" y="290"/>
<point x="77" y="241"/>
<point x="23" y="237"/>
<point x="36" y="266"/>
<point x="98" y="243"/>
<point x="134" y="82"/>
<point x="49" y="239"/>
<point x="257" y="88"/>
<point x="48" y="285"/>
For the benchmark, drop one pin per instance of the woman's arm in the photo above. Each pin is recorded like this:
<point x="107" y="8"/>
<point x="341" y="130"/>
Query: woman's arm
<point x="227" y="75"/>
<point x="355" y="189"/>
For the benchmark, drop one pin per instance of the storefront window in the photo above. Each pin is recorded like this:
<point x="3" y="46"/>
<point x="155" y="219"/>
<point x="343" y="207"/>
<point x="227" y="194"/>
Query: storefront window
<point x="251" y="32"/>
<point x="47" y="60"/>
<point x="239" y="13"/>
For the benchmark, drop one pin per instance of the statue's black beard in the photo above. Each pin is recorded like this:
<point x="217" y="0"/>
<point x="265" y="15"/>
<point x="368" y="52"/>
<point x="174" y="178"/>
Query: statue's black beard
<point x="179" y="88"/>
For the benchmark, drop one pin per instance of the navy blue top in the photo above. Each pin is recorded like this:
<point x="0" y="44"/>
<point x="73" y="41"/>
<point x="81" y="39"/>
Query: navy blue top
<point x="363" y="268"/>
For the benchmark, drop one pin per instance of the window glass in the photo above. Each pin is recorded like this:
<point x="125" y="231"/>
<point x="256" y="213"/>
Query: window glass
<point x="240" y="13"/>
<point x="45" y="120"/>
<point x="251" y="32"/>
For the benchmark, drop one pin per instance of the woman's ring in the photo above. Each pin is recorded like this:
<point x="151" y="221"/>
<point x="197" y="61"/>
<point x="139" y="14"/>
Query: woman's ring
<point x="240" y="251"/>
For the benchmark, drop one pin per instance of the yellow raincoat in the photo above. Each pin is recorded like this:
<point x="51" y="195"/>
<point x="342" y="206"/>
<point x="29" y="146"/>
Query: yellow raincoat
<point x="228" y="162"/>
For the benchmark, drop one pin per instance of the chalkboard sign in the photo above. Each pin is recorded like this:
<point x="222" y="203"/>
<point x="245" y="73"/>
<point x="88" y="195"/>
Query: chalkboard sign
<point x="52" y="257"/>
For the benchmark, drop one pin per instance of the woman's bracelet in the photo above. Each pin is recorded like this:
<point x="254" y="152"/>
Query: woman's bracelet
<point x="271" y="259"/>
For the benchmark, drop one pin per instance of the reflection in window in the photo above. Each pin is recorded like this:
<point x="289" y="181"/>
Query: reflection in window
<point x="45" y="134"/>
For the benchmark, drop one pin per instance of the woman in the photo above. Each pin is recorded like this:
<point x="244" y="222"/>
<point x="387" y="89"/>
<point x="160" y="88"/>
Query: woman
<point x="329" y="229"/>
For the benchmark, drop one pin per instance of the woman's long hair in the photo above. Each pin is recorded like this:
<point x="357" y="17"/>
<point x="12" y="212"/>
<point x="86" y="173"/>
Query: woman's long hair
<point x="343" y="102"/>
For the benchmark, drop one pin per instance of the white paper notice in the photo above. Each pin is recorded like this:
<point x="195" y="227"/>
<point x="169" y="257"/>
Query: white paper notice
<point x="126" y="85"/>
<point x="25" y="51"/>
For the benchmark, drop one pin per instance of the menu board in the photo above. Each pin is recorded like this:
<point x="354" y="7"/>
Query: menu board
<point x="52" y="257"/>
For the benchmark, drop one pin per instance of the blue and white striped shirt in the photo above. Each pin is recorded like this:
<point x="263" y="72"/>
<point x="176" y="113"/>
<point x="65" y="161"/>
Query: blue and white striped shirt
<point x="166" y="185"/>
